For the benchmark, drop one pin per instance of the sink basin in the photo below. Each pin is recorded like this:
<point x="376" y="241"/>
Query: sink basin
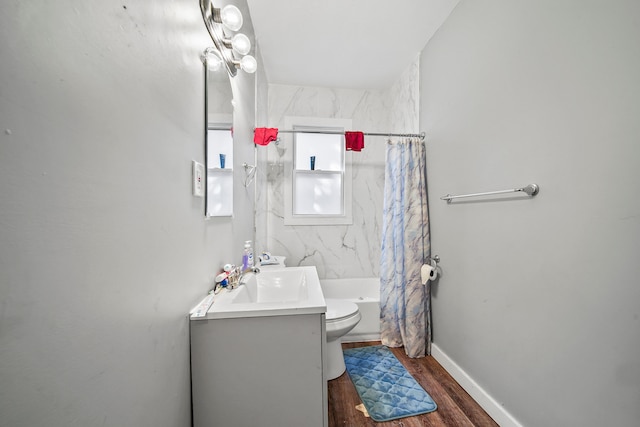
<point x="280" y="292"/>
<point x="280" y="286"/>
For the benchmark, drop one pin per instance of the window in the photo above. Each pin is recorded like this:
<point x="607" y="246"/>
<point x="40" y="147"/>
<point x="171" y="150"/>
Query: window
<point x="318" y="173"/>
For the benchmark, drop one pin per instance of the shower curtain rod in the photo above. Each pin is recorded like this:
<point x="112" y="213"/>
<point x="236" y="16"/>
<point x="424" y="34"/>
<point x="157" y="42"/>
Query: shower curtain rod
<point x="337" y="132"/>
<point x="420" y="135"/>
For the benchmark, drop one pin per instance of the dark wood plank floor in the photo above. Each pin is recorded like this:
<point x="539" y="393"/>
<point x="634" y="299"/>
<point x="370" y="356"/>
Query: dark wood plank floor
<point x="455" y="407"/>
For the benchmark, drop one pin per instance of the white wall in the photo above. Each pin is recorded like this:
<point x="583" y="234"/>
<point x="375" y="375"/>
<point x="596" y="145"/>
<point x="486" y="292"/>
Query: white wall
<point x="104" y="249"/>
<point x="343" y="250"/>
<point x="539" y="297"/>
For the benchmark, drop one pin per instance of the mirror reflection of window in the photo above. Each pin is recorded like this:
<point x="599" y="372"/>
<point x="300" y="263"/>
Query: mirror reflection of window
<point x="219" y="171"/>
<point x="220" y="152"/>
<point x="219" y="143"/>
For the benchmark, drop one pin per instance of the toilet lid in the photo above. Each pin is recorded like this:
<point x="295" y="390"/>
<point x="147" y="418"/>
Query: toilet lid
<point x="339" y="309"/>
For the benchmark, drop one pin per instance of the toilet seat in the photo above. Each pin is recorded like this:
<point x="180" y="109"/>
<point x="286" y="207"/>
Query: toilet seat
<point x="339" y="309"/>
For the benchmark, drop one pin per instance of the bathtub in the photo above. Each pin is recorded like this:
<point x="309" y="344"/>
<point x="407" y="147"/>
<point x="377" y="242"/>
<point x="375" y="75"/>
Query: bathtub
<point x="365" y="292"/>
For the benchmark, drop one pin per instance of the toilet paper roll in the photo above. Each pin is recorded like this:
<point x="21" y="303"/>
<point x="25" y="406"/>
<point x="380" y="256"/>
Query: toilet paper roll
<point x="426" y="271"/>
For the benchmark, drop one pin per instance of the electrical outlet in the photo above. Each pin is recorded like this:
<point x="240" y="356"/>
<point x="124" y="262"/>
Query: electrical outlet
<point x="198" y="179"/>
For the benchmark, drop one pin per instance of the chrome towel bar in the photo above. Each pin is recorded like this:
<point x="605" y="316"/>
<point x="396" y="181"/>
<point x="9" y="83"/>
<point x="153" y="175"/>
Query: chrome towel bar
<point x="531" y="190"/>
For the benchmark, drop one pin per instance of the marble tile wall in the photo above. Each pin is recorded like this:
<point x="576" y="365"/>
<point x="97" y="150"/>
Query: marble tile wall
<point x="337" y="250"/>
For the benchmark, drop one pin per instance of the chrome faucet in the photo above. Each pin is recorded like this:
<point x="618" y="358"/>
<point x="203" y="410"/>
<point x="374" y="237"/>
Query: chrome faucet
<point x="236" y="276"/>
<point x="254" y="270"/>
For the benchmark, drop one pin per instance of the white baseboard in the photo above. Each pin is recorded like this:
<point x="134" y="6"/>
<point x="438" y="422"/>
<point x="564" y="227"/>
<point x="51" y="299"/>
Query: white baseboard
<point x="361" y="337"/>
<point x="488" y="403"/>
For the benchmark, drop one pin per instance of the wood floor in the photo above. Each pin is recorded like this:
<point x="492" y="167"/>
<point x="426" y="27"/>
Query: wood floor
<point x="455" y="407"/>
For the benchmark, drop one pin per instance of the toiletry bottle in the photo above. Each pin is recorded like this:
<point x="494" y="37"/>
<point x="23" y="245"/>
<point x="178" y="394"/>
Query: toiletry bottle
<point x="248" y="242"/>
<point x="247" y="256"/>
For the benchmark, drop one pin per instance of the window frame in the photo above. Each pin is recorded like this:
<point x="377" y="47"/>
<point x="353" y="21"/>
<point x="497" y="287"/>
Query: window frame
<point x="345" y="218"/>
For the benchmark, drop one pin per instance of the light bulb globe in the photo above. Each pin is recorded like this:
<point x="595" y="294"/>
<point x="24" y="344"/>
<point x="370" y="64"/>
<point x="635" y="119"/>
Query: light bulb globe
<point x="213" y="60"/>
<point x="241" y="44"/>
<point x="231" y="17"/>
<point x="248" y="64"/>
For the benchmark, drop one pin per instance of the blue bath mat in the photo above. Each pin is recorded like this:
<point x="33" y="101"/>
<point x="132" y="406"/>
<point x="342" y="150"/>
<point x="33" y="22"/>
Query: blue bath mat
<point x="385" y="387"/>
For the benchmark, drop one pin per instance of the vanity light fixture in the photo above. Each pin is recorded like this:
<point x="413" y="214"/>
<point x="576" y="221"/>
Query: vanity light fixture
<point x="219" y="23"/>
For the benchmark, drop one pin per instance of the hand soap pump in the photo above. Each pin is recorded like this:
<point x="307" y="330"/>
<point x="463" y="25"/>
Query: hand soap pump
<point x="247" y="256"/>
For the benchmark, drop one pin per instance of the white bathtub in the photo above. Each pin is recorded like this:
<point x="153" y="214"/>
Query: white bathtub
<point x="365" y="292"/>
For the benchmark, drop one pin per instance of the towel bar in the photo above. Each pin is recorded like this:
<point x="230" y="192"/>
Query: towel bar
<point x="531" y="190"/>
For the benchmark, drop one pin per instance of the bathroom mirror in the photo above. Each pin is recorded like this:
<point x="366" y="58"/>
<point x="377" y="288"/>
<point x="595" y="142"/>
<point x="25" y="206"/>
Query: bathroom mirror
<point x="219" y="142"/>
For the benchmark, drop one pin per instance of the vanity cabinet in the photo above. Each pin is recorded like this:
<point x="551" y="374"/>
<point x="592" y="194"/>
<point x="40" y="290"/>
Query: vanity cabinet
<point x="259" y="371"/>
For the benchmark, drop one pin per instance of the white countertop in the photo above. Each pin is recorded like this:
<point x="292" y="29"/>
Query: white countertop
<point x="226" y="304"/>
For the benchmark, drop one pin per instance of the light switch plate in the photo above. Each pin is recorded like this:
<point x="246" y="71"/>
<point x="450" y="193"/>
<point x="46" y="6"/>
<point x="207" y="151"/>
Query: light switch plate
<point x="198" y="179"/>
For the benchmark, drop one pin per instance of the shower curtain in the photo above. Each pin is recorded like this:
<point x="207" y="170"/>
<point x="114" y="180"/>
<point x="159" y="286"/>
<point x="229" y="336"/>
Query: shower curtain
<point x="405" y="303"/>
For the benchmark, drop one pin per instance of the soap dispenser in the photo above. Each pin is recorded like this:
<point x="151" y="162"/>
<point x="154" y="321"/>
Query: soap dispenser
<point x="247" y="256"/>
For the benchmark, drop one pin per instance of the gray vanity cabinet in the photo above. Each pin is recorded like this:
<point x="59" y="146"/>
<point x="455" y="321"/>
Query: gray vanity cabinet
<point x="259" y="371"/>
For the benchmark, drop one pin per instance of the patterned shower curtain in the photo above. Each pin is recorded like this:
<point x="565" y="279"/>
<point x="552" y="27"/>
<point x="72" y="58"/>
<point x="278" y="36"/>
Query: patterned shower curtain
<point x="405" y="302"/>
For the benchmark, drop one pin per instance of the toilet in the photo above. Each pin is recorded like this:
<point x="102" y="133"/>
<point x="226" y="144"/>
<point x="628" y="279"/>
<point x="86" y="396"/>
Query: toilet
<point x="341" y="317"/>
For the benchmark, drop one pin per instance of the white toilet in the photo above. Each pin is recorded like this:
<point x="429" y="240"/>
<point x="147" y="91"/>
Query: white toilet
<point x="341" y="317"/>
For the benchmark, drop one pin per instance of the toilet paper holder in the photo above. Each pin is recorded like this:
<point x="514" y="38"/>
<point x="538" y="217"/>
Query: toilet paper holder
<point x="429" y="271"/>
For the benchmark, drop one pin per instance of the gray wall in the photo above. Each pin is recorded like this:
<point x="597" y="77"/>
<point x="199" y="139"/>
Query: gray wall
<point x="539" y="300"/>
<point x="103" y="248"/>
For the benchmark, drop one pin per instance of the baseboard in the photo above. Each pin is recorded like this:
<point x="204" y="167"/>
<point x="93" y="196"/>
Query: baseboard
<point x="361" y="337"/>
<point x="488" y="403"/>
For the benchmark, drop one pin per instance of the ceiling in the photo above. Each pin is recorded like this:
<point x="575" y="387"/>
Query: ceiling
<point x="358" y="44"/>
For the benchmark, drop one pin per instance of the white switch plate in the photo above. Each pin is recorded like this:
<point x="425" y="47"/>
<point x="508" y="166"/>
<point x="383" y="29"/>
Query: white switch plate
<point x="198" y="179"/>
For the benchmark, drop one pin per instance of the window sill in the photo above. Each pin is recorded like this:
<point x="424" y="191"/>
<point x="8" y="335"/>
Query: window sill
<point x="314" y="220"/>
